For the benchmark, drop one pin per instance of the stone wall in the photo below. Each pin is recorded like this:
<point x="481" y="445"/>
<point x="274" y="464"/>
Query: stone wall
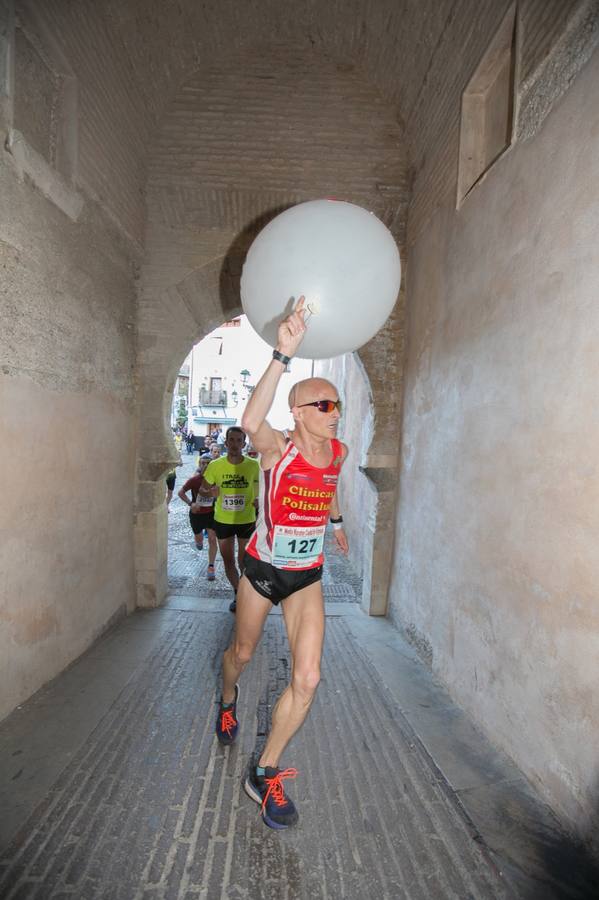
<point x="66" y="401"/>
<point x="496" y="563"/>
<point x="67" y="306"/>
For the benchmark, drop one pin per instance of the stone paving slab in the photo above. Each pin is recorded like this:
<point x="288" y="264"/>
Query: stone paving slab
<point x="152" y="806"/>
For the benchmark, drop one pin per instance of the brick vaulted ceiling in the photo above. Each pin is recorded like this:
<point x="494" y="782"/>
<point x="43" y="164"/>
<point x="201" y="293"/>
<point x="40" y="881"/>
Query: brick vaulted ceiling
<point x="139" y="61"/>
<point x="255" y="129"/>
<point x="251" y="133"/>
<point x="257" y="105"/>
<point x="266" y="128"/>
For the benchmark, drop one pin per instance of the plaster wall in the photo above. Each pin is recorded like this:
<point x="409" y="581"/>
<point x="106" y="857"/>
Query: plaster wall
<point x="496" y="560"/>
<point x="66" y="420"/>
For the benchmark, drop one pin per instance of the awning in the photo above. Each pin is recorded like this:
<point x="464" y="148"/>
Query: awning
<point x="207" y="416"/>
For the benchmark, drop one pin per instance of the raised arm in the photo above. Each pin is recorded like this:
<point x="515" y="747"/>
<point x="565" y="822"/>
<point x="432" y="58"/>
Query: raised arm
<point x="268" y="442"/>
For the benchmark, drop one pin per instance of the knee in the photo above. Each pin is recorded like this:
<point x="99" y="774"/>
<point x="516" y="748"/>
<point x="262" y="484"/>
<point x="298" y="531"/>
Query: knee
<point x="305" y="681"/>
<point x="241" y="653"/>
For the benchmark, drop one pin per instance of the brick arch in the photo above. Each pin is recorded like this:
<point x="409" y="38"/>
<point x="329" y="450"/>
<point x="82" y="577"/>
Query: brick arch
<point x="231" y="153"/>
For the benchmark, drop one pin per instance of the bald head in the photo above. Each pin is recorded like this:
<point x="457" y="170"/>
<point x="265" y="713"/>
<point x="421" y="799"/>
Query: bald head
<point x="311" y="389"/>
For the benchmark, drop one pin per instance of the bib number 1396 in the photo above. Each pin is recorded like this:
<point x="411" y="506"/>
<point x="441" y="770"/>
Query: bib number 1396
<point x="233" y="502"/>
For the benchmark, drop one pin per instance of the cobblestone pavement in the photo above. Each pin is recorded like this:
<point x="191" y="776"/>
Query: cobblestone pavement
<point x="152" y="807"/>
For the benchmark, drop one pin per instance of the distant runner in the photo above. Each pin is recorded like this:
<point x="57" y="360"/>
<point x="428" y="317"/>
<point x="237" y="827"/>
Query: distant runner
<point x="201" y="514"/>
<point x="233" y="479"/>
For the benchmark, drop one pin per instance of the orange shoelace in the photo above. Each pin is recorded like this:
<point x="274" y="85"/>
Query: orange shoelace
<point x="275" y="787"/>
<point x="227" y="721"/>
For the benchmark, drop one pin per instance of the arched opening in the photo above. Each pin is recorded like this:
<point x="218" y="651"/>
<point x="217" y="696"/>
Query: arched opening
<point x="229" y="155"/>
<point x="220" y="375"/>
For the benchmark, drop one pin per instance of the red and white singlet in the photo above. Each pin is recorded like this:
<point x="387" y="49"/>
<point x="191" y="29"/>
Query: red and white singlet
<point x="294" y="509"/>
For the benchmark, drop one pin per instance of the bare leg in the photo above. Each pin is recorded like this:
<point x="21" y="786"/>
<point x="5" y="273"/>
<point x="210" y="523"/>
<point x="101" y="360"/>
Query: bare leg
<point x="212" y="546"/>
<point x="227" y="551"/>
<point x="199" y="539"/>
<point x="304" y="619"/>
<point x="252" y="610"/>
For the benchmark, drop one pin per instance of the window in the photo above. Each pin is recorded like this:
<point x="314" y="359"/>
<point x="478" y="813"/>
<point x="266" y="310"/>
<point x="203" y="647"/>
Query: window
<point x="487" y="122"/>
<point x="215" y="347"/>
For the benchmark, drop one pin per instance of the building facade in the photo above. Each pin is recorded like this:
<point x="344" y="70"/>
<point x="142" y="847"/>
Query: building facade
<point x="223" y="370"/>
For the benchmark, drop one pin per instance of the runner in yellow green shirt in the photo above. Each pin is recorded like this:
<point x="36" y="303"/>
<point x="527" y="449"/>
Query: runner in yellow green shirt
<point x="233" y="480"/>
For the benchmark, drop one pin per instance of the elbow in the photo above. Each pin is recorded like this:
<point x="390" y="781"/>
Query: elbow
<point x="248" y="424"/>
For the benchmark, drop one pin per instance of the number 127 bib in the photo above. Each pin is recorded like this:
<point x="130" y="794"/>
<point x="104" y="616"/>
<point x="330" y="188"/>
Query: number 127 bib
<point x="297" y="548"/>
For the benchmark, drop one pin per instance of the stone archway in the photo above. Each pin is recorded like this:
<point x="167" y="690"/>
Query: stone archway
<point x="230" y="155"/>
<point x="156" y="455"/>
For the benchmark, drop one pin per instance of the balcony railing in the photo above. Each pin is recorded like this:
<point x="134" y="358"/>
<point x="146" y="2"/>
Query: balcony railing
<point x="212" y="398"/>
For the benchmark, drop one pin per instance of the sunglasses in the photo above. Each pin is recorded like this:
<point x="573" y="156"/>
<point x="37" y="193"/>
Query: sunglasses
<point x="325" y="406"/>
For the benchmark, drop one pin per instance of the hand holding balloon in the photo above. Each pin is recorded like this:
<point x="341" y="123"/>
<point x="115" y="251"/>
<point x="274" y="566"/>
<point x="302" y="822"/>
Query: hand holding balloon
<point x="292" y="329"/>
<point x="346" y="263"/>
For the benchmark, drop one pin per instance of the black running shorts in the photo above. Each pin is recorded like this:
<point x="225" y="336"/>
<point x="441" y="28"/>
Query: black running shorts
<point x="199" y="521"/>
<point x="224" y="530"/>
<point x="277" y="584"/>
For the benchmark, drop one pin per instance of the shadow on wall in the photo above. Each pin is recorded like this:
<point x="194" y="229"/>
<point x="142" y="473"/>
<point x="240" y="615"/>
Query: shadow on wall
<point x="568" y="868"/>
<point x="230" y="273"/>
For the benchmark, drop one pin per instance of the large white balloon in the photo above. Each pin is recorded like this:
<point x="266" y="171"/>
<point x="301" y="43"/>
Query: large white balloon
<point x="341" y="257"/>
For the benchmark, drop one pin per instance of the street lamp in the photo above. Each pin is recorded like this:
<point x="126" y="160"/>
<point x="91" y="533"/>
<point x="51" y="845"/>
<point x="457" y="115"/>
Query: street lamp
<point x="234" y="396"/>
<point x="245" y="375"/>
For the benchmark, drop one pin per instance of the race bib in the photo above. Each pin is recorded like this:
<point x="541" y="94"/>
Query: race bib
<point x="297" y="548"/>
<point x="232" y="502"/>
<point x="204" y="501"/>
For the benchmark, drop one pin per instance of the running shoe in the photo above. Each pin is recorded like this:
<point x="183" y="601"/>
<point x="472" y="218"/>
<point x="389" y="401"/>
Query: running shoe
<point x="277" y="810"/>
<point x="211" y="574"/>
<point x="227" y="723"/>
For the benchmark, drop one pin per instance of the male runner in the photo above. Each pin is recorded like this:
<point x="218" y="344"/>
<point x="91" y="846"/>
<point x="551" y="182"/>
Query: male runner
<point x="233" y="479"/>
<point x="283" y="562"/>
<point x="201" y="514"/>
